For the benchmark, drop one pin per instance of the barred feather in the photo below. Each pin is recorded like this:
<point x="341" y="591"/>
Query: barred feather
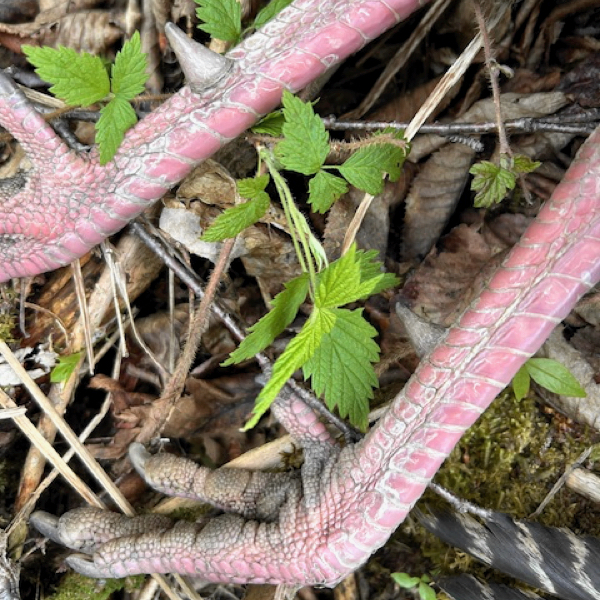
<point x="466" y="587"/>
<point x="554" y="560"/>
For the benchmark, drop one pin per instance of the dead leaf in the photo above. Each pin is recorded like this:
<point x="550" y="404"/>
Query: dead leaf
<point x="433" y="198"/>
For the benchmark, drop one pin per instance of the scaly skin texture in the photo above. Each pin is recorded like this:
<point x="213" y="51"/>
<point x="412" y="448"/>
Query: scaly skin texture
<point x="69" y="203"/>
<point x="317" y="527"/>
<point x="321" y="526"/>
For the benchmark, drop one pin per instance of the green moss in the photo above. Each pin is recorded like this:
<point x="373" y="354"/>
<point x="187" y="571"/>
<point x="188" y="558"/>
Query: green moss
<point x="508" y="462"/>
<point x="78" y="587"/>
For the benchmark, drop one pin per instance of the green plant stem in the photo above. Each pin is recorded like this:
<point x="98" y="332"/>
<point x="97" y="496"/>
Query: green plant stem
<point x="296" y="223"/>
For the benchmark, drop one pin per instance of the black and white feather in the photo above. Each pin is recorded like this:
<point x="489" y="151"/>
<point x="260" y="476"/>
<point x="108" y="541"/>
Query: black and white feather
<point x="466" y="587"/>
<point x="551" y="559"/>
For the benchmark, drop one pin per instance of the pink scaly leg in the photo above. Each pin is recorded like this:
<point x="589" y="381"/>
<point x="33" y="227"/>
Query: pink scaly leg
<point x="68" y="203"/>
<point x="330" y="523"/>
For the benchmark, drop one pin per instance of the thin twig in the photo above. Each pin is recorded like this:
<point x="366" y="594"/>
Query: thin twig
<point x="192" y="281"/>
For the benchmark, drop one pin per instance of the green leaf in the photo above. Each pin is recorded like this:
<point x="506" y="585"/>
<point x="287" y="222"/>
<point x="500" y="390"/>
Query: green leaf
<point x="129" y="71"/>
<point x="426" y="592"/>
<point x="269" y="11"/>
<point x="404" y="580"/>
<point x="324" y="189"/>
<point x="237" y="218"/>
<point x="252" y="187"/>
<point x="284" y="311"/>
<point x="78" y="79"/>
<point x="523" y="164"/>
<point x="298" y="351"/>
<point x="222" y="19"/>
<point x="271" y="124"/>
<point x="554" y="376"/>
<point x="65" y="367"/>
<point x="366" y="167"/>
<point x="340" y="366"/>
<point x="306" y="143"/>
<point x="372" y="279"/>
<point x="491" y="182"/>
<point x="350" y="278"/>
<point x="115" y="119"/>
<point x="521" y="383"/>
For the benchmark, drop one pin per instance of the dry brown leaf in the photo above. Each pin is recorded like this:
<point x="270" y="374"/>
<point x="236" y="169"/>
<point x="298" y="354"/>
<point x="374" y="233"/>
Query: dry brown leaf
<point x="582" y="83"/>
<point x="375" y="228"/>
<point x="67" y="6"/>
<point x="94" y="31"/>
<point x="404" y="106"/>
<point x="439" y="289"/>
<point x="18" y="11"/>
<point x="433" y="198"/>
<point x="267" y="252"/>
<point x="91" y="31"/>
<point x="271" y="258"/>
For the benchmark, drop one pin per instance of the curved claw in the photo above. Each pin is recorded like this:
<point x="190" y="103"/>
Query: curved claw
<point x="7" y="85"/>
<point x="47" y="525"/>
<point x="202" y="67"/>
<point x="85" y="566"/>
<point x="138" y="455"/>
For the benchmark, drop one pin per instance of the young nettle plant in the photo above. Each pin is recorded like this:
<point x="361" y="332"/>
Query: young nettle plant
<point x="335" y="347"/>
<point x="222" y="19"/>
<point x="493" y="182"/>
<point x="420" y="585"/>
<point x="81" y="79"/>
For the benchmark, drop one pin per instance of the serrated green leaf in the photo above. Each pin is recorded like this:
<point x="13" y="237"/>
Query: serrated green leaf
<point x="306" y="142"/>
<point x="298" y="351"/>
<point x="426" y="592"/>
<point x="324" y="189"/>
<point x="521" y="383"/>
<point x="284" y="311"/>
<point x="366" y="167"/>
<point x="115" y="119"/>
<point x="252" y="187"/>
<point x="78" y="79"/>
<point x="222" y="19"/>
<point x="524" y="164"/>
<point x="237" y="218"/>
<point x="65" y="367"/>
<point x="271" y="124"/>
<point x="338" y="284"/>
<point x="340" y="367"/>
<point x="269" y="11"/>
<point x="554" y="376"/>
<point x="352" y="277"/>
<point x="372" y="279"/>
<point x="404" y="580"/>
<point x="491" y="183"/>
<point x="129" y="70"/>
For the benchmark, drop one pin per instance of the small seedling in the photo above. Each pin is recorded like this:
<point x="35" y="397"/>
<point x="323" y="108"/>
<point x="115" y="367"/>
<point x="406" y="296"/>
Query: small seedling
<point x="493" y="182"/>
<point x="419" y="584"/>
<point x="222" y="19"/>
<point x="548" y="373"/>
<point x="65" y="368"/>
<point x="80" y="79"/>
<point x="335" y="348"/>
